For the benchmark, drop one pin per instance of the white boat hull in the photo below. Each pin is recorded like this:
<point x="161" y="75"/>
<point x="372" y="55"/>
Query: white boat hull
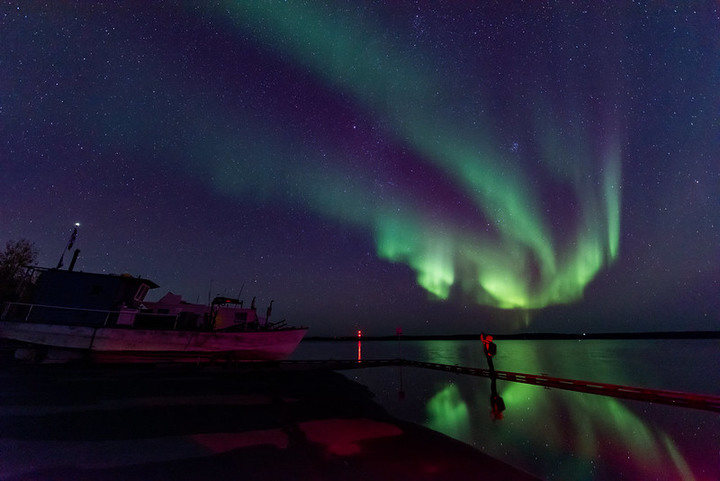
<point x="126" y="344"/>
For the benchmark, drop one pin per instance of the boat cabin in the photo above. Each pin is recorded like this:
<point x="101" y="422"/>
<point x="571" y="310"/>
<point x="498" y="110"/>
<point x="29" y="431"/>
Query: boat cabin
<point x="84" y="290"/>
<point x="222" y="313"/>
<point x="109" y="300"/>
<point x="82" y="298"/>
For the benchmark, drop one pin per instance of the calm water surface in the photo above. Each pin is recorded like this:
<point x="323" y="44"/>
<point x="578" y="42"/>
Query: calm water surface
<point x="556" y="434"/>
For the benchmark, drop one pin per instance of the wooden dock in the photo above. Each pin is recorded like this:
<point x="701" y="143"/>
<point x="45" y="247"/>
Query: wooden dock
<point x="704" y="402"/>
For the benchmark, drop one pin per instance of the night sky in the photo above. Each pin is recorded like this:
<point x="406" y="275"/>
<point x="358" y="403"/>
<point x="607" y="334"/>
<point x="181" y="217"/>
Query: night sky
<point x="444" y="167"/>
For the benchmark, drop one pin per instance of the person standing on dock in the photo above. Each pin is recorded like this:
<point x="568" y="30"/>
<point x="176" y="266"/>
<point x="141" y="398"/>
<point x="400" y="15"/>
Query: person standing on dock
<point x="490" y="349"/>
<point x="496" y="402"/>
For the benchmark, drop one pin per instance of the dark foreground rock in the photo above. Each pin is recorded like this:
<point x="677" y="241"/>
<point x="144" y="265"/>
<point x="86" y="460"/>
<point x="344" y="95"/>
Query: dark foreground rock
<point x="187" y="423"/>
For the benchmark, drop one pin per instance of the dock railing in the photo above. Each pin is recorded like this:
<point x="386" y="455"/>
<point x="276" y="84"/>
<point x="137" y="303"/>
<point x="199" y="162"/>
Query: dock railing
<point x="706" y="402"/>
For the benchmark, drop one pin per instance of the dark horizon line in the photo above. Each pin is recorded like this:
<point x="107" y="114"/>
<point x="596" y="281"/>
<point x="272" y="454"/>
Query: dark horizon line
<point x="533" y="336"/>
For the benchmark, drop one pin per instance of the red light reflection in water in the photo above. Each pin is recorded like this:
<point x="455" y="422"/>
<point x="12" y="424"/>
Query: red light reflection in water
<point x="359" y="335"/>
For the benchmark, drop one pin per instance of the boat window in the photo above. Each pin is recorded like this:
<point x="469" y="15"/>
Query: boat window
<point x="241" y="316"/>
<point x="96" y="289"/>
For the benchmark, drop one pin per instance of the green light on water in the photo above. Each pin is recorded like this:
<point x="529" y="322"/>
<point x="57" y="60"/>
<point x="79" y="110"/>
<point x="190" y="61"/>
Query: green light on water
<point x="590" y="425"/>
<point x="448" y="413"/>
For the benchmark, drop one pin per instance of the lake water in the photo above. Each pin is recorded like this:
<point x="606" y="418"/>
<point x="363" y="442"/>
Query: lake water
<point x="556" y="434"/>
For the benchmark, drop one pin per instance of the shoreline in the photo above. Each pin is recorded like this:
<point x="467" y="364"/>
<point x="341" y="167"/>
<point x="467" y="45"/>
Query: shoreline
<point x="180" y="422"/>
<point x="537" y="336"/>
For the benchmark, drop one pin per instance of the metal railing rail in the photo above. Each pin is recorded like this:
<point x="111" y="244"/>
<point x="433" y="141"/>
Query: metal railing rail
<point x="108" y="314"/>
<point x="706" y="402"/>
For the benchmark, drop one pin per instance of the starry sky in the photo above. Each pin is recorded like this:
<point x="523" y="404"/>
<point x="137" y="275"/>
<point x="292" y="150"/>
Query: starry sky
<point x="443" y="167"/>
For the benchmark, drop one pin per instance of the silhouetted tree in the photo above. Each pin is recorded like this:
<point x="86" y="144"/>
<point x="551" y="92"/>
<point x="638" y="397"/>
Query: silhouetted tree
<point x="13" y="259"/>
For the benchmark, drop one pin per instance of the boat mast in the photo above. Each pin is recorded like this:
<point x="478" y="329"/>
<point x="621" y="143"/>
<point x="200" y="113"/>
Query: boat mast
<point x="70" y="243"/>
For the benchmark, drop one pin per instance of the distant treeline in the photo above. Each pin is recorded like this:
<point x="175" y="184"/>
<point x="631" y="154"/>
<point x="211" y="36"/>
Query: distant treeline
<point x="537" y="336"/>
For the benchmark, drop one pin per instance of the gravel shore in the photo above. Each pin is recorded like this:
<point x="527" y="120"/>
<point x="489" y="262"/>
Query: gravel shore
<point x="191" y="423"/>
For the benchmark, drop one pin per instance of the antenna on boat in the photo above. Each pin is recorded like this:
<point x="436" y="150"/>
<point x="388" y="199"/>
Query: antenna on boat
<point x="267" y="313"/>
<point x="70" y="243"/>
<point x="210" y="292"/>
<point x="74" y="259"/>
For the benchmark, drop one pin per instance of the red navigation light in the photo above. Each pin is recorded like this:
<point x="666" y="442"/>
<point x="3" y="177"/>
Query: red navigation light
<point x="359" y="333"/>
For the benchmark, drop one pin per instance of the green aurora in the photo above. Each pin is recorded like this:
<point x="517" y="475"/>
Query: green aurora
<point x="519" y="260"/>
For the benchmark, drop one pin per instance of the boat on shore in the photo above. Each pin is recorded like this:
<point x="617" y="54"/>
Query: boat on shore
<point x="105" y="318"/>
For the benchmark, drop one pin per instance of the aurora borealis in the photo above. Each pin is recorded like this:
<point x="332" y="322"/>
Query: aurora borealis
<point x="419" y="112"/>
<point x="447" y="168"/>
